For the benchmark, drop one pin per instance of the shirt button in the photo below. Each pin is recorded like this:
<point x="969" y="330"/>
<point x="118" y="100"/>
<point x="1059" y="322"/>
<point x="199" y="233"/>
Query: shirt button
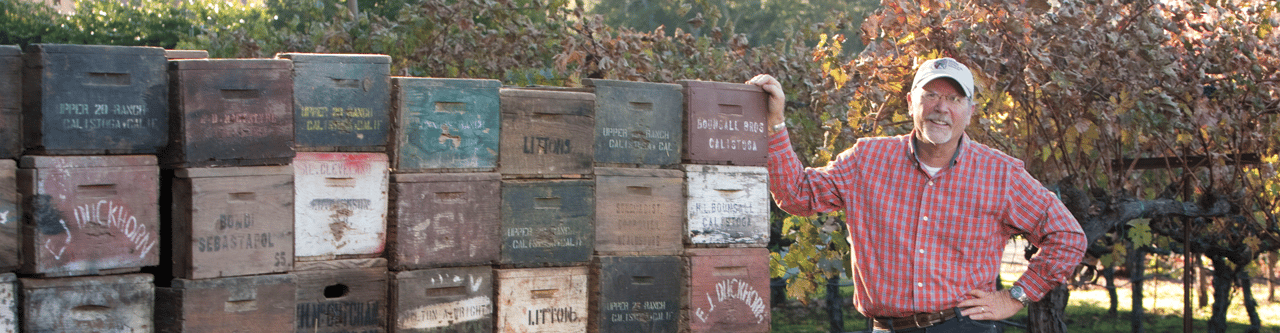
<point x="920" y="284"/>
<point x="926" y="218"/>
<point x="930" y="184"/>
<point x="920" y="250"/>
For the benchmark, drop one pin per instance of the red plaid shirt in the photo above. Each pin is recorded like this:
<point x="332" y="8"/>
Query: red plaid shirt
<point x="920" y="243"/>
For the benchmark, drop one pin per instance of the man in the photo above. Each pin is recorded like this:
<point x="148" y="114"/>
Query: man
<point x="929" y="212"/>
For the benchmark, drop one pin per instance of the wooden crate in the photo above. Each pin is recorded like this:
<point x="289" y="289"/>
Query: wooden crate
<point x="230" y="112"/>
<point x="728" y="290"/>
<point x="542" y="300"/>
<point x="456" y="299"/>
<point x="9" y="303"/>
<point x="636" y="294"/>
<point x="546" y="133"/>
<point x="231" y="221"/>
<point x="725" y="123"/>
<point x="94" y="99"/>
<point x="338" y="296"/>
<point x="440" y="220"/>
<point x="262" y="303"/>
<point x="89" y="214"/>
<point x="727" y="206"/>
<point x="111" y="303"/>
<point x="340" y="205"/>
<point x="547" y="222"/>
<point x="638" y="123"/>
<point x="10" y="217"/>
<point x="10" y="101"/>
<point x="444" y="124"/>
<point x="639" y="211"/>
<point x="340" y="101"/>
<point x="186" y="54"/>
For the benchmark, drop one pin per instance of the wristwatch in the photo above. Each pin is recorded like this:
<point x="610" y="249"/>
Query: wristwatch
<point x="1020" y="295"/>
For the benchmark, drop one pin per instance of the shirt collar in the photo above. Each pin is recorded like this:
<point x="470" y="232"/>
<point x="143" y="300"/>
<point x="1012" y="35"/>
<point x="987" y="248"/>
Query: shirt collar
<point x="961" y="146"/>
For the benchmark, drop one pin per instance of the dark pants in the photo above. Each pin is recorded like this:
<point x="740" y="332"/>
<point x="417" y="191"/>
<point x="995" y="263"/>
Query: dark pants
<point x="959" y="324"/>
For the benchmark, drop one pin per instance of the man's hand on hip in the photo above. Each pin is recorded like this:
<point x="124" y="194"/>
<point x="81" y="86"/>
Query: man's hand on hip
<point x="990" y="305"/>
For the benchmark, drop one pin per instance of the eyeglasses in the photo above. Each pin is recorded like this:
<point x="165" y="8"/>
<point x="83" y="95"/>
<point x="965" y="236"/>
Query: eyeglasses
<point x="953" y="101"/>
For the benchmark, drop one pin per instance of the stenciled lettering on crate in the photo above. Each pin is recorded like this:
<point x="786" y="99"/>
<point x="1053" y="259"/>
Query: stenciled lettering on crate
<point x="10" y="217"/>
<point x="89" y="214"/>
<point x="341" y="101"/>
<point x="724" y="123"/>
<point x="638" y="123"/>
<point x="542" y="299"/>
<point x="727" y="205"/>
<point x="337" y="296"/>
<point x="10" y="101"/>
<point x="547" y="222"/>
<point x="231" y="221"/>
<point x="260" y="303"/>
<point x="728" y="290"/>
<point x="639" y="211"/>
<point x="445" y="124"/>
<point x="546" y="133"/>
<point x="110" y="303"/>
<point x="340" y="205"/>
<point x="440" y="219"/>
<point x="457" y="299"/>
<point x="94" y="99"/>
<point x="636" y="294"/>
<point x="230" y="112"/>
<point x="9" y="303"/>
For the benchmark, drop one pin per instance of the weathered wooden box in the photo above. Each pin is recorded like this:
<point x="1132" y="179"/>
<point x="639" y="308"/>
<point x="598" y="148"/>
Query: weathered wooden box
<point x="230" y="112"/>
<point x="638" y="123"/>
<point x="727" y="206"/>
<point x="440" y="220"/>
<point x="338" y="296"/>
<point x="547" y="222"/>
<point x="445" y="124"/>
<point x="341" y="101"/>
<point x="231" y="221"/>
<point x="457" y="299"/>
<point x="340" y="205"/>
<point x="262" y="303"/>
<point x="725" y="123"/>
<point x="542" y="299"/>
<point x="636" y="294"/>
<point x="186" y="54"/>
<point x="94" y="99"/>
<point x="10" y="217"/>
<point x="110" y="303"/>
<point x="10" y="101"/>
<point x="546" y="133"/>
<point x="728" y="290"/>
<point x="9" y="306"/>
<point x="639" y="211"/>
<point x="89" y="214"/>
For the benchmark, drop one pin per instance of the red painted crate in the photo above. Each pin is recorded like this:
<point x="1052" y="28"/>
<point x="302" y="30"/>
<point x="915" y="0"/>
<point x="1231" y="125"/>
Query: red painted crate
<point x="725" y="123"/>
<point x="440" y="220"/>
<point x="728" y="290"/>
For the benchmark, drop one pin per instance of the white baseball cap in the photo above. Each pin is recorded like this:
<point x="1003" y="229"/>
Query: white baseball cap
<point x="944" y="67"/>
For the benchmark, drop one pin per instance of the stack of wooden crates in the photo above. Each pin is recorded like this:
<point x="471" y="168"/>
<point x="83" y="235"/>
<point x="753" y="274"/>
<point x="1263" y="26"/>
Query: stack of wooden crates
<point x="163" y="191"/>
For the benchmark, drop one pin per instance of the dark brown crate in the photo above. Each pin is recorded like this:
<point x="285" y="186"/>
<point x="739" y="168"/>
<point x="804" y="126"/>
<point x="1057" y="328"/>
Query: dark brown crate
<point x="94" y="99"/>
<point x="542" y="299"/>
<point x="636" y="294"/>
<point x="454" y="300"/>
<point x="112" y="303"/>
<point x="231" y="221"/>
<point x="230" y="112"/>
<point x="547" y="222"/>
<point x="444" y="124"/>
<point x="638" y="123"/>
<point x="728" y="290"/>
<point x="263" y="303"/>
<point x="724" y="123"/>
<point x="639" y="211"/>
<point x="340" y="205"/>
<point x="89" y="214"/>
<point x="185" y="54"/>
<point x="10" y="101"/>
<point x="440" y="220"/>
<point x="338" y="296"/>
<point x="10" y="217"/>
<point x="9" y="303"/>
<point x="341" y="101"/>
<point x="727" y="205"/>
<point x="546" y="133"/>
